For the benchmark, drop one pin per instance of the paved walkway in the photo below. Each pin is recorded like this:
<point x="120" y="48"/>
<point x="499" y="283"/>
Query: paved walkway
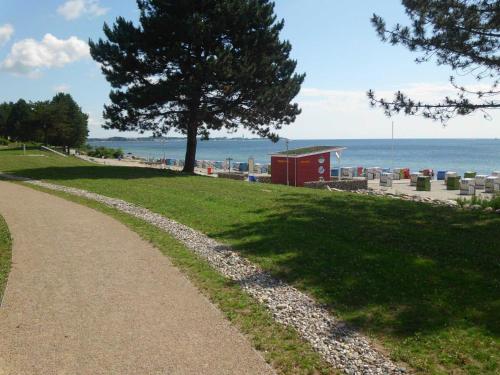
<point x="87" y="296"/>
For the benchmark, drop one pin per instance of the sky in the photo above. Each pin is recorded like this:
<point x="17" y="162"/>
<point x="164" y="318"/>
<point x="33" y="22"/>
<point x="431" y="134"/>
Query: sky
<point x="44" y="50"/>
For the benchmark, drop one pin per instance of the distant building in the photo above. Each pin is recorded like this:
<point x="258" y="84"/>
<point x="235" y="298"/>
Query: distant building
<point x="307" y="164"/>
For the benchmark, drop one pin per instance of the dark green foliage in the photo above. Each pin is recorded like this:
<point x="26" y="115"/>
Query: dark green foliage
<point x="59" y="122"/>
<point x="105" y="152"/>
<point x="199" y="65"/>
<point x="495" y="202"/>
<point x="18" y="122"/>
<point x="463" y="34"/>
<point x="69" y="127"/>
<point x="5" y="109"/>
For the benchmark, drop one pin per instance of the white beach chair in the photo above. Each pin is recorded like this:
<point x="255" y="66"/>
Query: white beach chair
<point x="467" y="186"/>
<point x="396" y="174"/>
<point x="480" y="181"/>
<point x="414" y="177"/>
<point x="386" y="179"/>
<point x="489" y="186"/>
<point x="347" y="172"/>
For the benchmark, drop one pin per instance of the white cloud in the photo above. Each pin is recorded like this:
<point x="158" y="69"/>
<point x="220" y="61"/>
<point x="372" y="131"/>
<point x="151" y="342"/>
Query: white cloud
<point x="61" y="88"/>
<point x="6" y="32"/>
<point x="95" y="121"/>
<point x="29" y="57"/>
<point x="337" y="114"/>
<point x="94" y="9"/>
<point x="73" y="9"/>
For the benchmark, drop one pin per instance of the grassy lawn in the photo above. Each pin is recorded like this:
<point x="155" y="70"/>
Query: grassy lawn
<point x="5" y="255"/>
<point x="423" y="281"/>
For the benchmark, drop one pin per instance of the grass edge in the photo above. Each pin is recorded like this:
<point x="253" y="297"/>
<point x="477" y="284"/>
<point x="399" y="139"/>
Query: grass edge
<point x="5" y="256"/>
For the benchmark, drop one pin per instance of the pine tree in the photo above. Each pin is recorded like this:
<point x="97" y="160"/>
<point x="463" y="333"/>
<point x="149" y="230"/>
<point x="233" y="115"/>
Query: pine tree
<point x="57" y="122"/>
<point x="18" y="123"/>
<point x="42" y="121"/>
<point x="463" y="34"/>
<point x="196" y="66"/>
<point x="69" y="124"/>
<point x="5" y="109"/>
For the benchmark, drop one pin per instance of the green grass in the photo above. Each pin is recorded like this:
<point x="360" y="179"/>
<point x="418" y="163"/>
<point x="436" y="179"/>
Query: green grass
<point x="280" y="346"/>
<point x="423" y="281"/>
<point x="5" y="255"/>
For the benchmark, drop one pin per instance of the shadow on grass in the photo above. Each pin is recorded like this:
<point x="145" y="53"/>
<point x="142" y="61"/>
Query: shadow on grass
<point x="95" y="172"/>
<point x="389" y="266"/>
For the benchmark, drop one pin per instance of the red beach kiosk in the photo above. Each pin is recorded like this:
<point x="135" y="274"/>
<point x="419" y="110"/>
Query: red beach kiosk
<point x="308" y="164"/>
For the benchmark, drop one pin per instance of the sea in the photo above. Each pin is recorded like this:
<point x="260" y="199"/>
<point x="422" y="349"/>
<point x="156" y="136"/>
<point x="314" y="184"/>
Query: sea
<point x="459" y="155"/>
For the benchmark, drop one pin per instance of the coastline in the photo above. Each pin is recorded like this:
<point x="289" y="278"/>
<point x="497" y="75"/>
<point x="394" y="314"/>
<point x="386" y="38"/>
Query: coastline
<point x="459" y="155"/>
<point x="399" y="188"/>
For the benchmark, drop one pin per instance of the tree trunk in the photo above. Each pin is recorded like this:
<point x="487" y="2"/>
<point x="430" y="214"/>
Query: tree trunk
<point x="190" y="160"/>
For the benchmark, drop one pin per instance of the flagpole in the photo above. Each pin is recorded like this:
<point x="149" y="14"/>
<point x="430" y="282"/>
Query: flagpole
<point x="392" y="146"/>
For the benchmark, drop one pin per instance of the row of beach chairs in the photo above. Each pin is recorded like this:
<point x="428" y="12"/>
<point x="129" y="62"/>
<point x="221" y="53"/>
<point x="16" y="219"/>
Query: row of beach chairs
<point x="212" y="166"/>
<point x="468" y="185"/>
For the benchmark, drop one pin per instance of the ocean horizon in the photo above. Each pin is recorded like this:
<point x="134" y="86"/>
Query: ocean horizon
<point x="452" y="154"/>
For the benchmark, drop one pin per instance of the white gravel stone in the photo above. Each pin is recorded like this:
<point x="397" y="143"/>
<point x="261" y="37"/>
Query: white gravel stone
<point x="342" y="347"/>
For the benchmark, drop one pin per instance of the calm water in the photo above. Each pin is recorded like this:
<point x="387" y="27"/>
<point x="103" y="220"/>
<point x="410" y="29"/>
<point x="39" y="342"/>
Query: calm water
<point x="481" y="155"/>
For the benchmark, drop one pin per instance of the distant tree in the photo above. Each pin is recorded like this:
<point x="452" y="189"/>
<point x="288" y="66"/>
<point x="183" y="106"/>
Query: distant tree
<point x="69" y="123"/>
<point x="18" y="125"/>
<point x="5" y="109"/>
<point x="58" y="122"/>
<point x="196" y="66"/>
<point x="463" y="34"/>
<point x="42" y="120"/>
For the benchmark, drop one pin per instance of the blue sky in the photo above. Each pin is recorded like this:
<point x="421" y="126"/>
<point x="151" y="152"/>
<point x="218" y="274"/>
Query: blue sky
<point x="332" y="40"/>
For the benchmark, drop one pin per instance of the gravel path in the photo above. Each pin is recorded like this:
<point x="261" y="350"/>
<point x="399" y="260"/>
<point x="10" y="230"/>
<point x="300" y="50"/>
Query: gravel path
<point x="341" y="346"/>
<point x="86" y="295"/>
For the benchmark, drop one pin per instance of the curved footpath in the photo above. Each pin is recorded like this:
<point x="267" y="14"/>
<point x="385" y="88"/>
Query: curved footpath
<point x="86" y="295"/>
<point x="342" y="347"/>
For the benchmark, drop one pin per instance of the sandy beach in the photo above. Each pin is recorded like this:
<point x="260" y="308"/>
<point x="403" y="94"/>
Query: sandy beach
<point x="438" y="190"/>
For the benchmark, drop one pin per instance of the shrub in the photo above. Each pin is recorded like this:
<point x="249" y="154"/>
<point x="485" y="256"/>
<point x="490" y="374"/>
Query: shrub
<point x="106" y="153"/>
<point x="495" y="202"/>
<point x="4" y="142"/>
<point x="483" y="202"/>
<point x="85" y="149"/>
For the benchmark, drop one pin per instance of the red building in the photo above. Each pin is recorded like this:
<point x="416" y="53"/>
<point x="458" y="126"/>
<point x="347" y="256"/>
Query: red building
<point x="308" y="164"/>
